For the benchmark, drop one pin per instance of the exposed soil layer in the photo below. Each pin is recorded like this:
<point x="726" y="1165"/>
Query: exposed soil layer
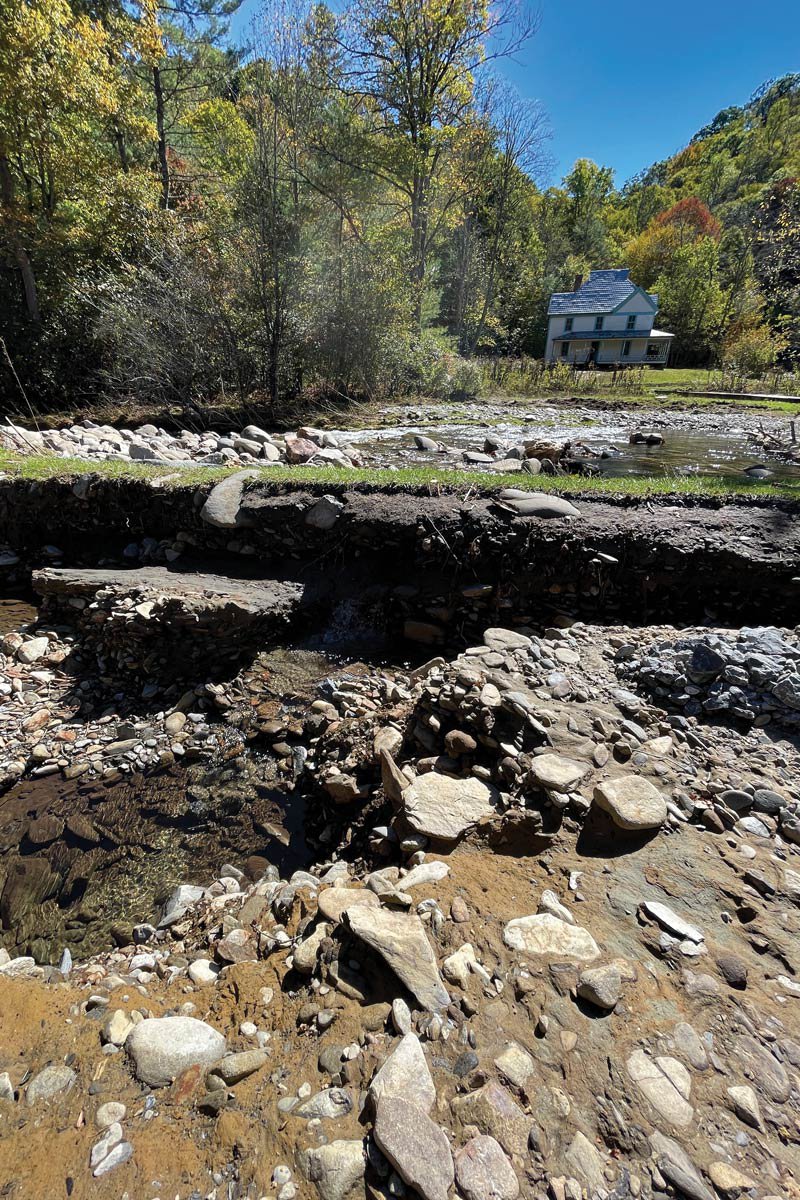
<point x="642" y="561"/>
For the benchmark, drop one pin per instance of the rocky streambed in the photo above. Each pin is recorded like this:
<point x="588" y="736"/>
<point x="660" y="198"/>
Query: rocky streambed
<point x="500" y="434"/>
<point x="507" y="906"/>
<point x="547" y="946"/>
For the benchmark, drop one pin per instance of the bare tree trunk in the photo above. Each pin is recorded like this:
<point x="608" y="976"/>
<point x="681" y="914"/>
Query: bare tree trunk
<point x="163" y="162"/>
<point x="122" y="149"/>
<point x="20" y="254"/>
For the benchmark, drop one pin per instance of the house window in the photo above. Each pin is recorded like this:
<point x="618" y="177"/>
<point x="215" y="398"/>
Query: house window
<point x="564" y="349"/>
<point x="568" y="325"/>
<point x="632" y="321"/>
<point x="653" y="350"/>
<point x="598" y="322"/>
<point x="626" y="349"/>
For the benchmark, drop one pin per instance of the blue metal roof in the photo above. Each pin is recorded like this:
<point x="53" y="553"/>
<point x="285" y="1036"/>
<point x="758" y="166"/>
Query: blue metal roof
<point x="603" y="292"/>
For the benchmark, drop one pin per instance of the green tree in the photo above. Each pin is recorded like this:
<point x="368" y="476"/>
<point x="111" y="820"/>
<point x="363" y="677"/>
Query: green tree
<point x="414" y="63"/>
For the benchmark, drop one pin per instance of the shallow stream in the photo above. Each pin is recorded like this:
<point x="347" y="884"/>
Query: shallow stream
<point x="694" y="444"/>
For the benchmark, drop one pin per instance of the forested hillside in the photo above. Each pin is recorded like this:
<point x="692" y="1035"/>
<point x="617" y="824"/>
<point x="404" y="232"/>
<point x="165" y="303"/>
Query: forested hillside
<point x="351" y="204"/>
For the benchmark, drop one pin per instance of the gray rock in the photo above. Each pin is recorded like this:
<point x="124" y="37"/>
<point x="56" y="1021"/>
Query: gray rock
<point x="336" y="901"/>
<point x="689" y="1045"/>
<point x="233" y="1068"/>
<point x="483" y="1172"/>
<point x="515" y="1064"/>
<point x="304" y="955"/>
<point x="601" y="986"/>
<point x="545" y="934"/>
<point x="632" y="803"/>
<point x="109" y="1113"/>
<point x="163" y="1047"/>
<point x="222" y="507"/>
<point x="557" y="773"/>
<point x="121" y="1153"/>
<point x="666" y="1083"/>
<point x="401" y="941"/>
<point x="670" y="921"/>
<point x="745" y="1104"/>
<point x="676" y="1167"/>
<point x="541" y="504"/>
<point x="179" y="903"/>
<point x="417" y="1148"/>
<point x="101" y="1149"/>
<point x="496" y="1113"/>
<point x="335" y="1169"/>
<point x="325" y="513"/>
<point x="405" y="1074"/>
<point x="49" y="1082"/>
<point x="327" y="1105"/>
<point x="445" y="808"/>
<point x="587" y="1162"/>
<point x="427" y="872"/>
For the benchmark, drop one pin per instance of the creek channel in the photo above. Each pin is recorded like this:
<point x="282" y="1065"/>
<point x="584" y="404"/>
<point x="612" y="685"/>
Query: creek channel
<point x="82" y="862"/>
<point x="694" y="444"/>
<point x="83" y="859"/>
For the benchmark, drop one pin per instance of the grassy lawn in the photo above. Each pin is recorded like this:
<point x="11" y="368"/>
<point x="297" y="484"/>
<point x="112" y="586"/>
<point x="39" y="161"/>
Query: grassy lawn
<point x="438" y="480"/>
<point x="657" y="389"/>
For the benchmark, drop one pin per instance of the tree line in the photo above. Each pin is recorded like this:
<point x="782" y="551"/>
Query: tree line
<point x="351" y="205"/>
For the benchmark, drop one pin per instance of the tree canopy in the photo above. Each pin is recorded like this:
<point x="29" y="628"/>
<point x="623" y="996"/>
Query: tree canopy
<point x="335" y="207"/>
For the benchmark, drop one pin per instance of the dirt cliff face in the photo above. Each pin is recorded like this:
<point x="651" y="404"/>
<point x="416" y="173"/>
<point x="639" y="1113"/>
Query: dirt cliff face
<point x="630" y="561"/>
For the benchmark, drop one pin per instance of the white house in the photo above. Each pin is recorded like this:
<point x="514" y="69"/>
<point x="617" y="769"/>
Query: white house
<point x="606" y="320"/>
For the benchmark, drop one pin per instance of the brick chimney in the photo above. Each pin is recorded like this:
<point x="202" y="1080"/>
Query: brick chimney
<point x="578" y="281"/>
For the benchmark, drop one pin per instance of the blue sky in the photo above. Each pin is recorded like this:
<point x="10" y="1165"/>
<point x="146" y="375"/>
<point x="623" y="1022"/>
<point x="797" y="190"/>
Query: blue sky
<point x="629" y="82"/>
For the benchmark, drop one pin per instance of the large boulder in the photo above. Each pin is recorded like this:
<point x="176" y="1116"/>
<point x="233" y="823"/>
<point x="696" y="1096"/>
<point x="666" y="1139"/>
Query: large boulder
<point x="162" y="1047"/>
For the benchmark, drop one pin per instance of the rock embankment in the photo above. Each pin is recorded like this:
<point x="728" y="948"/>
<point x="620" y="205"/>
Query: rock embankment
<point x="551" y="952"/>
<point x="150" y="444"/>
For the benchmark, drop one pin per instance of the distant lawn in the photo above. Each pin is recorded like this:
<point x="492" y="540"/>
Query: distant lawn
<point x="652" y="387"/>
<point x="436" y="479"/>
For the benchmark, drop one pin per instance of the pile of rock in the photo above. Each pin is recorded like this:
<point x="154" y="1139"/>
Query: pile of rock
<point x="753" y="674"/>
<point x="149" y="444"/>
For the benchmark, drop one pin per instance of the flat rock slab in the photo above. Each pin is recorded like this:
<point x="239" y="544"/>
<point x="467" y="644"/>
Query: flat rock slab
<point x="557" y="773"/>
<point x="666" y="1083"/>
<point x="546" y="934"/>
<point x="335" y="1168"/>
<point x="445" y="808"/>
<point x="336" y="901"/>
<point x="400" y="939"/>
<point x="672" y="922"/>
<point x="198" y="592"/>
<point x="416" y="1147"/>
<point x="405" y="1074"/>
<point x="186" y="619"/>
<point x="633" y="803"/>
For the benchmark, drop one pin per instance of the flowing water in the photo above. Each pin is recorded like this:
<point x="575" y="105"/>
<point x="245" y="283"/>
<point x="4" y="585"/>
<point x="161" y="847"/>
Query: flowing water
<point x="718" y="446"/>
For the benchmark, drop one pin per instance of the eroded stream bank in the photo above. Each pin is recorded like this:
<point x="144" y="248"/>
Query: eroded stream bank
<point x="520" y="920"/>
<point x="454" y="563"/>
<point x="148" y="730"/>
